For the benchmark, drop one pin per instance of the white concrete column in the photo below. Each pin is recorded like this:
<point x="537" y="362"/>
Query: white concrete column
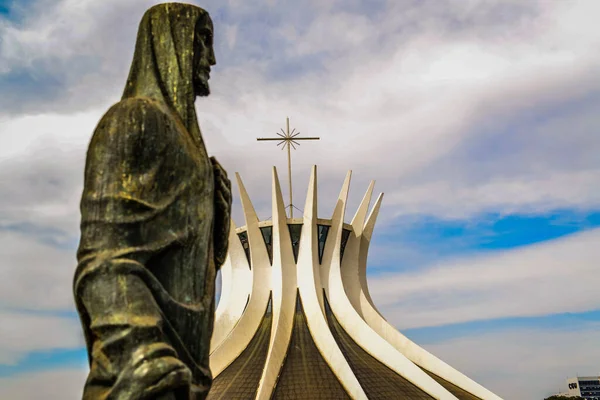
<point x="352" y="322"/>
<point x="384" y="329"/>
<point x="310" y="287"/>
<point x="243" y="332"/>
<point x="236" y="285"/>
<point x="284" y="295"/>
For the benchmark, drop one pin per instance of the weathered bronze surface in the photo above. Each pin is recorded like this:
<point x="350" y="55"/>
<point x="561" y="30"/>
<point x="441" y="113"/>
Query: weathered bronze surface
<point x="154" y="221"/>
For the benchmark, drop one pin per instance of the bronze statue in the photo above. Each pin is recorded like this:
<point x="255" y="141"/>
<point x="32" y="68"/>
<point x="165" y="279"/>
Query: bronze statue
<point x="155" y="216"/>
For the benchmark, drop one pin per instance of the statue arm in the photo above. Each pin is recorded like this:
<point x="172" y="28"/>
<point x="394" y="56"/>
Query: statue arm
<point x="222" y="213"/>
<point x="130" y="356"/>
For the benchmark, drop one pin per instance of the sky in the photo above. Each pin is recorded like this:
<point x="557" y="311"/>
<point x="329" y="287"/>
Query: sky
<point x="479" y="120"/>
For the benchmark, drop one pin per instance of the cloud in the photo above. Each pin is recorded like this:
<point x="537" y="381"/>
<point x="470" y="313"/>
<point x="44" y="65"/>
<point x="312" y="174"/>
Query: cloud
<point x="551" y="277"/>
<point x="410" y="116"/>
<point x="529" y="194"/>
<point x="516" y="363"/>
<point x="417" y="111"/>
<point x="412" y="94"/>
<point x="35" y="275"/>
<point x="524" y="364"/>
<point x="42" y="159"/>
<point x="52" y="385"/>
<point x="22" y="333"/>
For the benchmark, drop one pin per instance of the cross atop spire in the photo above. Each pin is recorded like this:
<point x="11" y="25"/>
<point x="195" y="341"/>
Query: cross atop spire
<point x="289" y="139"/>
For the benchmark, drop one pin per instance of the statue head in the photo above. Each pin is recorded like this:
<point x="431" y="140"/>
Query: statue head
<point x="204" y="56"/>
<point x="172" y="58"/>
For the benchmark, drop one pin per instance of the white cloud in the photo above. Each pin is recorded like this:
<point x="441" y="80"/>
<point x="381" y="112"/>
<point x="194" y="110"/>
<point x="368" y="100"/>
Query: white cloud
<point x="556" y="276"/>
<point x="522" y="194"/>
<point x="397" y="100"/>
<point x="62" y="384"/>
<point x="42" y="159"/>
<point x="22" y="333"/>
<point x="516" y="363"/>
<point x="35" y="284"/>
<point x="34" y="275"/>
<point x="523" y="363"/>
<point x="393" y="115"/>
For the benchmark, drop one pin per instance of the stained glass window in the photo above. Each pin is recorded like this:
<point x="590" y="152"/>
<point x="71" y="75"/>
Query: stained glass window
<point x="345" y="236"/>
<point x="267" y="234"/>
<point x="244" y="239"/>
<point x="295" y="231"/>
<point x="322" y="231"/>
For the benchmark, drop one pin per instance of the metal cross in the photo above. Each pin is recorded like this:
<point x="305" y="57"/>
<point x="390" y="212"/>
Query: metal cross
<point x="289" y="139"/>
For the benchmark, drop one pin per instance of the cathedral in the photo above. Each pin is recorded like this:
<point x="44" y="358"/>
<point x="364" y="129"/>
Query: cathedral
<point x="296" y="321"/>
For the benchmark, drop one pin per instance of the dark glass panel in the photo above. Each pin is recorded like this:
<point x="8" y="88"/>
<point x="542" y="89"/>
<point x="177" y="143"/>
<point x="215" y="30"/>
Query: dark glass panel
<point x="267" y="234"/>
<point x="244" y="239"/>
<point x="295" y="232"/>
<point x="345" y="236"/>
<point x="322" y="231"/>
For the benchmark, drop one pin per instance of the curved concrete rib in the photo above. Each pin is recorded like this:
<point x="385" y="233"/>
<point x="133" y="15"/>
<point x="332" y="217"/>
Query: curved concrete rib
<point x="360" y="247"/>
<point x="350" y="270"/>
<point x="309" y="284"/>
<point x="352" y="322"/>
<point x="236" y="284"/>
<point x="243" y="332"/>
<point x="284" y="295"/>
<point x="385" y="330"/>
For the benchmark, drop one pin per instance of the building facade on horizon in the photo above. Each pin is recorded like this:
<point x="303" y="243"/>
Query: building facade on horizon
<point x="587" y="387"/>
<point x="296" y="321"/>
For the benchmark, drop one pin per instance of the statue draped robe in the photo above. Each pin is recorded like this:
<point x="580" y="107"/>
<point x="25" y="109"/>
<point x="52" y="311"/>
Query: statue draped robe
<point x="152" y="237"/>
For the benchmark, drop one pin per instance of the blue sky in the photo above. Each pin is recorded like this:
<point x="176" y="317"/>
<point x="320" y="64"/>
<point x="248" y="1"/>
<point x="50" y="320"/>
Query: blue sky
<point x="478" y="120"/>
<point x="437" y="238"/>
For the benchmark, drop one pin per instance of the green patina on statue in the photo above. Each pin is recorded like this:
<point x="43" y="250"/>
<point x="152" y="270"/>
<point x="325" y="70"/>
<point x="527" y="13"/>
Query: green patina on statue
<point x="155" y="216"/>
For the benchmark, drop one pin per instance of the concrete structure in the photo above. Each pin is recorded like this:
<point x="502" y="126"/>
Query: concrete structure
<point x="296" y="320"/>
<point x="587" y="387"/>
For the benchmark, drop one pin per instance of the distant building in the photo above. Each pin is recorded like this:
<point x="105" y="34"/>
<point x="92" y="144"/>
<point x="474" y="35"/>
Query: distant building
<point x="587" y="387"/>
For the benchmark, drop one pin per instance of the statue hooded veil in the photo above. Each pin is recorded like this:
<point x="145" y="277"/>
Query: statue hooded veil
<point x="147" y="258"/>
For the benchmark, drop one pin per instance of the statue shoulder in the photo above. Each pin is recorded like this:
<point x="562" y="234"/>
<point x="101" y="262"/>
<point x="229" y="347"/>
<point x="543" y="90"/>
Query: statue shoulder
<point x="137" y="112"/>
<point x="139" y="103"/>
<point x="134" y="121"/>
<point x="135" y="130"/>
